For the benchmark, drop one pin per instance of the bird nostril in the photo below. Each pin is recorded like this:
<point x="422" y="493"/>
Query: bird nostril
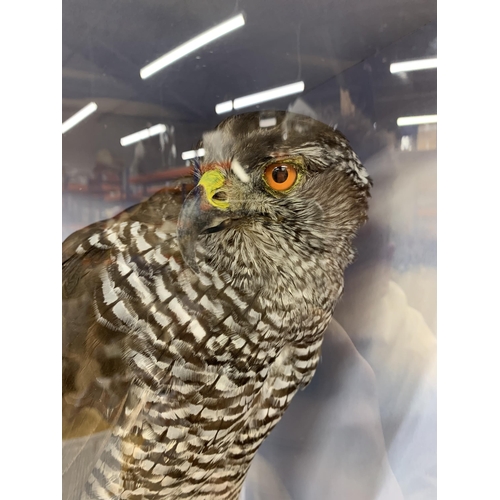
<point x="220" y="196"/>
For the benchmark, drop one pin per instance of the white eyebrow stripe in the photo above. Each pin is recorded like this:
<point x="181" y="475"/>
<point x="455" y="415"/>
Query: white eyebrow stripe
<point x="239" y="171"/>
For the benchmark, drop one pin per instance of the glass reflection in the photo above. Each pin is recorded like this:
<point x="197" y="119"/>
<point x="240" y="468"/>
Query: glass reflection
<point x="365" y="426"/>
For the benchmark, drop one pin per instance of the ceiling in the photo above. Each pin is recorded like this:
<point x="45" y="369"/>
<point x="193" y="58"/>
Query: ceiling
<point x="107" y="42"/>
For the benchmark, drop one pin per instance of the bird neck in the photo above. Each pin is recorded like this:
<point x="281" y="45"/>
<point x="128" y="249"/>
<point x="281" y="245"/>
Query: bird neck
<point x="277" y="268"/>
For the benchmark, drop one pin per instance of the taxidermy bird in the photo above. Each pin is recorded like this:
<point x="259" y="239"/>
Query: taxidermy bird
<point x="188" y="326"/>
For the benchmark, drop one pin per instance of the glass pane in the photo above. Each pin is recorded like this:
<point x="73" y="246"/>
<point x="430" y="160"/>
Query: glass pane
<point x="199" y="301"/>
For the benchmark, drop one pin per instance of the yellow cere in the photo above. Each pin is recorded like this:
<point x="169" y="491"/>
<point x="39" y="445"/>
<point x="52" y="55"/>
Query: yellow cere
<point x="211" y="182"/>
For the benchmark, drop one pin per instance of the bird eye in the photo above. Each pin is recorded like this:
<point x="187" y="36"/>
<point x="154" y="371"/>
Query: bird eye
<point x="280" y="176"/>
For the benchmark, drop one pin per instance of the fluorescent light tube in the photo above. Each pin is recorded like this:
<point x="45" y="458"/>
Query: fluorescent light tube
<point x="239" y="171"/>
<point x="191" y="45"/>
<point x="268" y="95"/>
<point x="267" y="122"/>
<point x="193" y="153"/>
<point x="143" y="134"/>
<point x="224" y="107"/>
<point x="417" y="120"/>
<point x="413" y="65"/>
<point x="79" y="116"/>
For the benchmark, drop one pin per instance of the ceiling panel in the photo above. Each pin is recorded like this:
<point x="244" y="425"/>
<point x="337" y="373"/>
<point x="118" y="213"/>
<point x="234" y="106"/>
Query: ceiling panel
<point x="282" y="41"/>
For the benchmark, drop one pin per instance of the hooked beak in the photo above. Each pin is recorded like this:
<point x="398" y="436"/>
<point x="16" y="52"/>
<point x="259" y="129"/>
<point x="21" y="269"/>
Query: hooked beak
<point x="205" y="210"/>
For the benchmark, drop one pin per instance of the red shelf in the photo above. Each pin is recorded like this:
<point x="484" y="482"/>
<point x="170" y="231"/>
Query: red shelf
<point x="166" y="175"/>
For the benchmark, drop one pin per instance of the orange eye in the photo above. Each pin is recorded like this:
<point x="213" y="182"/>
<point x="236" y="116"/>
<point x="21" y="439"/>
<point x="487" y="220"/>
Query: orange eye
<point x="280" y="176"/>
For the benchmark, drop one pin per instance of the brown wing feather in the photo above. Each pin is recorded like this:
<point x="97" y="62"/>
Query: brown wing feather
<point x="95" y="378"/>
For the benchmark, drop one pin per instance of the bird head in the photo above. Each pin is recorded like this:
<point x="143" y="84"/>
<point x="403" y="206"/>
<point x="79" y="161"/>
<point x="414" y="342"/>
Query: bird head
<point x="269" y="198"/>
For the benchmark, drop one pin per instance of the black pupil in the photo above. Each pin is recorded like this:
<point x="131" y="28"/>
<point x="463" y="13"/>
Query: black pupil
<point x="280" y="174"/>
